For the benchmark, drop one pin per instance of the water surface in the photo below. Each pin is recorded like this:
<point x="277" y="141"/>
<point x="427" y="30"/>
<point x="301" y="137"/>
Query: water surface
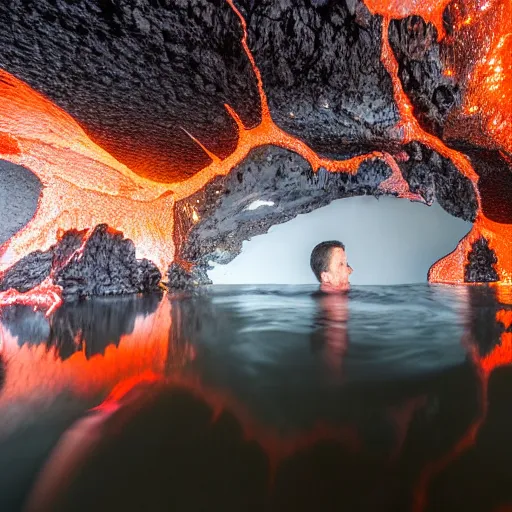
<point x="260" y="398"/>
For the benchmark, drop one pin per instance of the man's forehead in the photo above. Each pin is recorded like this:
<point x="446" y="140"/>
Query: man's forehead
<point x="337" y="252"/>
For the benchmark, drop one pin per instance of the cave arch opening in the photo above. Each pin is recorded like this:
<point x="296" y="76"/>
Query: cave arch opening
<point x="389" y="242"/>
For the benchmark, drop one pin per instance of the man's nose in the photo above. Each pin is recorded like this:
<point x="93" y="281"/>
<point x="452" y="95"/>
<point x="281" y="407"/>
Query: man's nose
<point x="350" y="269"/>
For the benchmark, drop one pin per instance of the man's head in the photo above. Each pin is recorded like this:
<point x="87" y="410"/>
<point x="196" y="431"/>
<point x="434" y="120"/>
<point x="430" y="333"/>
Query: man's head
<point x="329" y="264"/>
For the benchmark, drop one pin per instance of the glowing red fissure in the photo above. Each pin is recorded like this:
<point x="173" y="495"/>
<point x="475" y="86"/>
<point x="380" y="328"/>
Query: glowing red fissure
<point x="451" y="268"/>
<point x="39" y="135"/>
<point x="498" y="117"/>
<point x="36" y="133"/>
<point x="501" y="355"/>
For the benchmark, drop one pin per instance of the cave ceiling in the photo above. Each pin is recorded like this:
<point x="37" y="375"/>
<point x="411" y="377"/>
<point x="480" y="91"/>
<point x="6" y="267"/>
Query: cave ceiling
<point x="162" y="121"/>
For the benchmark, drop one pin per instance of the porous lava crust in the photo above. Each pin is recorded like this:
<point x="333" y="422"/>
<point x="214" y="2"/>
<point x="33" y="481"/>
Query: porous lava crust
<point x="105" y="264"/>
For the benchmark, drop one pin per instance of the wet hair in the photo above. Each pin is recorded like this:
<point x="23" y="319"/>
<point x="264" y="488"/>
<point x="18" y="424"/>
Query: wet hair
<point x="321" y="255"/>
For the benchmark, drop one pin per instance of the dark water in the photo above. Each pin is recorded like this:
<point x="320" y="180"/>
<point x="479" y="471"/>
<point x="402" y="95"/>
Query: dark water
<point x="274" y="398"/>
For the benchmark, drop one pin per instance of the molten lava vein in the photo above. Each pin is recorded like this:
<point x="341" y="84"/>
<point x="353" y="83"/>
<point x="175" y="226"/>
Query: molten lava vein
<point x="487" y="26"/>
<point x="488" y="82"/>
<point x="85" y="186"/>
<point x="146" y="349"/>
<point x="82" y="184"/>
<point x="501" y="355"/>
<point x="451" y="268"/>
<point x="430" y="10"/>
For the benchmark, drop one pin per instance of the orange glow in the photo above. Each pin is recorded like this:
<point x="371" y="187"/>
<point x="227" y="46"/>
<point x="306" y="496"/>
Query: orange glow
<point x="8" y="145"/>
<point x="501" y="355"/>
<point x="481" y="49"/>
<point x="451" y="268"/>
<point x="83" y="185"/>
<point x="44" y="296"/>
<point x="276" y="445"/>
<point x="42" y="137"/>
<point x="488" y="83"/>
<point x="145" y="350"/>
<point x="504" y="294"/>
<point x="408" y="125"/>
<point x="396" y="183"/>
<point x="430" y="10"/>
<point x="37" y="134"/>
<point x="504" y="316"/>
<point x="147" y="355"/>
<point x="465" y="443"/>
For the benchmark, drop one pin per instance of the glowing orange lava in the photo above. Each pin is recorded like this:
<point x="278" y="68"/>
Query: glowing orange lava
<point x="501" y="355"/>
<point x="40" y="136"/>
<point x="145" y="349"/>
<point x="481" y="32"/>
<point x="487" y="78"/>
<point x="84" y="186"/>
<point x="45" y="296"/>
<point x="430" y="10"/>
<point x="408" y="124"/>
<point x="451" y="268"/>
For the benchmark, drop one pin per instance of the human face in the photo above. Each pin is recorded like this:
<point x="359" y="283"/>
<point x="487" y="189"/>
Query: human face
<point x="336" y="278"/>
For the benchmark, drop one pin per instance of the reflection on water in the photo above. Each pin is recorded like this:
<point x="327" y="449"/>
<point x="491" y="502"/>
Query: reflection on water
<point x="243" y="398"/>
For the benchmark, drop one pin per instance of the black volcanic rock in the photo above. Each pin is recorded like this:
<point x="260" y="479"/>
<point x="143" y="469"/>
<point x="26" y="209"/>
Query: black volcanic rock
<point x="179" y="278"/>
<point x="269" y="174"/>
<point x="138" y="74"/>
<point x="133" y="73"/>
<point x="481" y="263"/>
<point x="29" y="272"/>
<point x="436" y="178"/>
<point x="321" y="70"/>
<point x="420" y="70"/>
<point x="106" y="266"/>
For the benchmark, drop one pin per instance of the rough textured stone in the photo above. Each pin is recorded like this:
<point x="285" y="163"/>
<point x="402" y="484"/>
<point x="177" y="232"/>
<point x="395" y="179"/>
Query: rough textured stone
<point x="420" y="70"/>
<point x="106" y="266"/>
<point x="269" y="174"/>
<point x="179" y="278"/>
<point x="28" y="272"/>
<point x="19" y="193"/>
<point x="135" y="72"/>
<point x="321" y="70"/>
<point x="481" y="263"/>
<point x="436" y="178"/>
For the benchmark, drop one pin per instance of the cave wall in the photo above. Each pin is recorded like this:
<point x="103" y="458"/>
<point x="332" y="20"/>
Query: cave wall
<point x="173" y="89"/>
<point x="388" y="242"/>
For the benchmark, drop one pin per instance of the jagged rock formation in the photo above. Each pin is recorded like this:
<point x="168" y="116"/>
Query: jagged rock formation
<point x="481" y="263"/>
<point x="142" y="77"/>
<point x="87" y="325"/>
<point x="103" y="264"/>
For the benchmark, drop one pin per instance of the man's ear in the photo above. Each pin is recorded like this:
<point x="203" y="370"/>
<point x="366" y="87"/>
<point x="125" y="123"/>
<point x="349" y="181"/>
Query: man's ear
<point x="325" y="277"/>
